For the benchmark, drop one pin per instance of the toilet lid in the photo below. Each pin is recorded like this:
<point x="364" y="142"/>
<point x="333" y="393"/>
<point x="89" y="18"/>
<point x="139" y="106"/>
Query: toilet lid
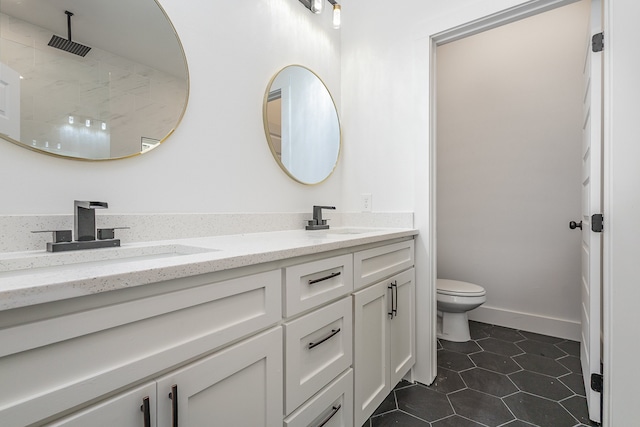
<point x="456" y="287"/>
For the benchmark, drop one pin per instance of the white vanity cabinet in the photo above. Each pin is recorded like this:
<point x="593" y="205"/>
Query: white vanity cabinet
<point x="301" y="340"/>
<point x="63" y="361"/>
<point x="238" y="386"/>
<point x="384" y="329"/>
<point x="319" y="342"/>
<point x="134" y="408"/>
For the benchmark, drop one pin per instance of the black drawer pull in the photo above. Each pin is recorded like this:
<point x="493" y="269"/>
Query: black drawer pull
<point x="174" y="405"/>
<point x="333" y="333"/>
<point x="322" y="279"/>
<point x="146" y="412"/>
<point x="392" y="311"/>
<point x="335" y="411"/>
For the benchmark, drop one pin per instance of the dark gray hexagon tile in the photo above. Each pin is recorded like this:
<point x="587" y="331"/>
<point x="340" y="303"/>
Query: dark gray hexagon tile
<point x="478" y="330"/>
<point x="467" y="347"/>
<point x="572" y="348"/>
<point x="540" y="364"/>
<point x="572" y="363"/>
<point x="518" y="423"/>
<point x="541" y="385"/>
<point x="388" y="404"/>
<point x="397" y="418"/>
<point x="455" y="421"/>
<point x="542" y="338"/>
<point x="488" y="382"/>
<point x="539" y="411"/>
<point x="497" y="346"/>
<point x="575" y="382"/>
<point x="577" y="406"/>
<point x="402" y="384"/>
<point x="447" y="381"/>
<point x="454" y="361"/>
<point x="480" y="407"/>
<point x="504" y="334"/>
<point x="423" y="403"/>
<point x="495" y="362"/>
<point x="541" y="349"/>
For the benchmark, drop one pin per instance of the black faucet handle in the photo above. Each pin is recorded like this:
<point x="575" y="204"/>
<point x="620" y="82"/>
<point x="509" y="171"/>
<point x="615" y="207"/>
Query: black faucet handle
<point x="109" y="233"/>
<point x="58" y="235"/>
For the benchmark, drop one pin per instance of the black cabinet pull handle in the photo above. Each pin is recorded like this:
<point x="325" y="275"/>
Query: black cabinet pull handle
<point x="394" y="308"/>
<point x="335" y="411"/>
<point x="333" y="333"/>
<point x="174" y="405"/>
<point x="146" y="411"/>
<point x="392" y="312"/>
<point x="322" y="279"/>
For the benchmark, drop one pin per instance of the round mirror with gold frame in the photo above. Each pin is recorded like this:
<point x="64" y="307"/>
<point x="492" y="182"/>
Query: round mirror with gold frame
<point x="90" y="79"/>
<point x="301" y="125"/>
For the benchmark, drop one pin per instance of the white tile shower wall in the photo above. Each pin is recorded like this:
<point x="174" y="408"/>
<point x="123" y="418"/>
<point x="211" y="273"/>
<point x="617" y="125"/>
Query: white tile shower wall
<point x="16" y="230"/>
<point x="102" y="86"/>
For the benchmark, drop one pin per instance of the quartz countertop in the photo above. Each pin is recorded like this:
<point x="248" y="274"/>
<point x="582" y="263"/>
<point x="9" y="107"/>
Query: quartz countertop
<point x="35" y="277"/>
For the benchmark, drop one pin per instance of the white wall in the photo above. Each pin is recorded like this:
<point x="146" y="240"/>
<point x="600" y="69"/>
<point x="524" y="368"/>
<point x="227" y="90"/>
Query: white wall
<point x="218" y="159"/>
<point x="509" y="138"/>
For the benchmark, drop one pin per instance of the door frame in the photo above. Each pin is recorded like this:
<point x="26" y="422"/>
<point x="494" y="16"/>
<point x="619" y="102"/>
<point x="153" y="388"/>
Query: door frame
<point x="428" y="178"/>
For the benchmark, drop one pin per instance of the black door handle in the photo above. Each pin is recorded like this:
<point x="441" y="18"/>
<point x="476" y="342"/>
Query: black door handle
<point x="573" y="225"/>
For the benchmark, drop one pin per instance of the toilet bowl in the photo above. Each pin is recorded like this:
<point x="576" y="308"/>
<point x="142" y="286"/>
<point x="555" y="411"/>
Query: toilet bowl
<point x="454" y="300"/>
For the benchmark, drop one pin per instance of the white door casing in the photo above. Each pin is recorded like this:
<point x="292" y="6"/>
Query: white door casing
<point x="590" y="349"/>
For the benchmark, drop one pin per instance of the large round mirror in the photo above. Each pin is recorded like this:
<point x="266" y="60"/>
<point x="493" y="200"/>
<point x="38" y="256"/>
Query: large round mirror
<point x="301" y="124"/>
<point x="89" y="79"/>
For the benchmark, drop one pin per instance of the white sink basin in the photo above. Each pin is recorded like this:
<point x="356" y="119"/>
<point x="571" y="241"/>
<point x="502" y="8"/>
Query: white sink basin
<point x="39" y="262"/>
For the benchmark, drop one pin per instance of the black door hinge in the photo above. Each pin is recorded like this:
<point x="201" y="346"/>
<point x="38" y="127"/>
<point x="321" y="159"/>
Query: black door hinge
<point x="597" y="223"/>
<point x="596" y="382"/>
<point x="597" y="42"/>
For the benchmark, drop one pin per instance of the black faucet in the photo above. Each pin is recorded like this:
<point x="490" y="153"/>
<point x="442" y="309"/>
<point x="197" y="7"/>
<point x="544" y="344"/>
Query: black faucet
<point x="84" y="228"/>
<point x="317" y="223"/>
<point x="84" y="219"/>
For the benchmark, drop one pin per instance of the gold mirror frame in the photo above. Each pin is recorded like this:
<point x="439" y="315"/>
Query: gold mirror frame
<point x="321" y="140"/>
<point x="135" y="144"/>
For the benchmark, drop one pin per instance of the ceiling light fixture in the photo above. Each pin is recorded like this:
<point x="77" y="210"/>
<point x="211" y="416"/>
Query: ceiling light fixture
<point x="316" y="6"/>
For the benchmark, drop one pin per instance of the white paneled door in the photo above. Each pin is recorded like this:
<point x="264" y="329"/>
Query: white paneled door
<point x="590" y="349"/>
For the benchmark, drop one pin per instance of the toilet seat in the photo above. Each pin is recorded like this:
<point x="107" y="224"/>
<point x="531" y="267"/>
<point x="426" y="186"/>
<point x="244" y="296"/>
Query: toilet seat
<point x="458" y="288"/>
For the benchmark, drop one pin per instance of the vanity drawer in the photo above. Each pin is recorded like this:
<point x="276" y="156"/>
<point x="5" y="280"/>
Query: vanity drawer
<point x="314" y="283"/>
<point x="375" y="264"/>
<point x="318" y="347"/>
<point x="332" y="407"/>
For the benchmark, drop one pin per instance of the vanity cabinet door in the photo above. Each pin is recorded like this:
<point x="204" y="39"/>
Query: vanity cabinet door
<point x="238" y="386"/>
<point x="371" y="334"/>
<point x="384" y="340"/>
<point x="402" y="342"/>
<point x="134" y="408"/>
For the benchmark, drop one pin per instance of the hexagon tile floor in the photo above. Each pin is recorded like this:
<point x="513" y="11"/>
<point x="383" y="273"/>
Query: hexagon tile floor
<point x="502" y="377"/>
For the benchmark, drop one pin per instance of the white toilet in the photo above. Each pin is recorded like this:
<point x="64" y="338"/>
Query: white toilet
<point x="454" y="300"/>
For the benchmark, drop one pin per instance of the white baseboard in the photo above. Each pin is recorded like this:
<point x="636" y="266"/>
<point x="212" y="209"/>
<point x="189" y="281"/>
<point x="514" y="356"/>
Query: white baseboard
<point x="560" y="328"/>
